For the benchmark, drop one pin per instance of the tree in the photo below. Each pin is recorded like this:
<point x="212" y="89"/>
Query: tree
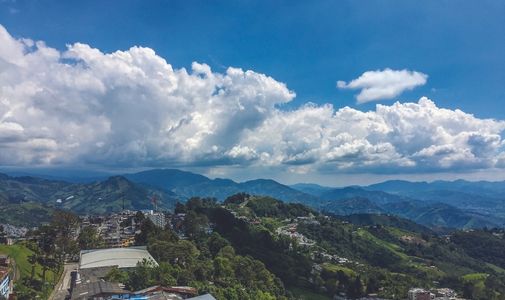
<point x="355" y="289"/>
<point x="166" y="274"/>
<point x="180" y="208"/>
<point x="372" y="285"/>
<point x="89" y="238"/>
<point x="141" y="276"/>
<point x="147" y="229"/>
<point x="216" y="242"/>
<point x="194" y="224"/>
<point x="32" y="259"/>
<point x="116" y="275"/>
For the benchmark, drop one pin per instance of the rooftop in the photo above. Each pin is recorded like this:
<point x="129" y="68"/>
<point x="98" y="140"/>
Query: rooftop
<point x="99" y="288"/>
<point x="120" y="257"/>
<point x="3" y="273"/>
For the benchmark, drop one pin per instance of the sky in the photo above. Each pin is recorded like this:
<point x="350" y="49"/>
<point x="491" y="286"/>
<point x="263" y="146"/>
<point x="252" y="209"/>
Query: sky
<point x="333" y="92"/>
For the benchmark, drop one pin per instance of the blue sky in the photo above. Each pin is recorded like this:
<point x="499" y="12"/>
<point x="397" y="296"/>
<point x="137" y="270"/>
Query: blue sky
<point x="308" y="46"/>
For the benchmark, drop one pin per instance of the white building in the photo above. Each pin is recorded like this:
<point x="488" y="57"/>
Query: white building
<point x="120" y="257"/>
<point x="158" y="218"/>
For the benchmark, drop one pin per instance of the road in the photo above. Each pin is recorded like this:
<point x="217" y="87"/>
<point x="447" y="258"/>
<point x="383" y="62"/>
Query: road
<point x="61" y="289"/>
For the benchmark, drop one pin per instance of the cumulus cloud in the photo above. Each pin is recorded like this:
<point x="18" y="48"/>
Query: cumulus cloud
<point x="383" y="84"/>
<point x="133" y="109"/>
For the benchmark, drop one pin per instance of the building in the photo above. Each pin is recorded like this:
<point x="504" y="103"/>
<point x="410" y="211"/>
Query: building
<point x="4" y="260"/>
<point x="444" y="293"/>
<point x="88" y="281"/>
<point x="158" y="218"/>
<point x="419" y="294"/>
<point x="98" y="290"/>
<point x="114" y="257"/>
<point x="5" y="283"/>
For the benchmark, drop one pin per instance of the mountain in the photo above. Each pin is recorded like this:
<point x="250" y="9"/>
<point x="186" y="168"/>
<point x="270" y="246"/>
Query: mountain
<point x="348" y="206"/>
<point x="351" y="200"/>
<point x="473" y="187"/>
<point x="454" y="204"/>
<point x="376" y="197"/>
<point x="186" y="185"/>
<point x="167" y="178"/>
<point x="35" y="198"/>
<point x="110" y="195"/>
<point x="268" y="187"/>
<point x="482" y="198"/>
<point x="311" y="188"/>
<point x="439" y="215"/>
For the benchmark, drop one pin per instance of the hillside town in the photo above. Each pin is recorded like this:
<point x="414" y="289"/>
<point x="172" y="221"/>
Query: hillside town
<point x="86" y="276"/>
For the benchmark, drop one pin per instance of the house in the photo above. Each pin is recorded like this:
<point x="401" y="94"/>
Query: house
<point x="419" y="294"/>
<point x="5" y="283"/>
<point x="98" y="290"/>
<point x="4" y="260"/>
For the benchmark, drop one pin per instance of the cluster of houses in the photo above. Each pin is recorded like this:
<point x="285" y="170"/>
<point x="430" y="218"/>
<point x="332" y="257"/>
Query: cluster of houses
<point x="290" y="231"/>
<point x="9" y="234"/>
<point x="325" y="257"/>
<point x="432" y="294"/>
<point x="118" y="230"/>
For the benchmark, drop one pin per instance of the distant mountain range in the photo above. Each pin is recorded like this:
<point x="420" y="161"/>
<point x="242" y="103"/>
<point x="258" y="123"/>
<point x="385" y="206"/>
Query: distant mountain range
<point x="187" y="185"/>
<point x="444" y="204"/>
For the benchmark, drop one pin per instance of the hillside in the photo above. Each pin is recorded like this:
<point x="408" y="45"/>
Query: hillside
<point x="31" y="200"/>
<point x="348" y="206"/>
<point x="187" y="185"/>
<point x="428" y="212"/>
<point x="438" y="205"/>
<point x="382" y="254"/>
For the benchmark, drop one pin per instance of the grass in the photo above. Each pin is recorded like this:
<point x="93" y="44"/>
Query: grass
<point x="335" y="268"/>
<point x="474" y="277"/>
<point x="303" y="294"/>
<point x="20" y="254"/>
<point x="496" y="268"/>
<point x="392" y="247"/>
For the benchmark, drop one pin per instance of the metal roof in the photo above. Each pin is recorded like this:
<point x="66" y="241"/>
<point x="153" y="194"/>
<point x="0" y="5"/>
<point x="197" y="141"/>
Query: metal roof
<point x="93" y="289"/>
<point x="203" y="297"/>
<point x="120" y="257"/>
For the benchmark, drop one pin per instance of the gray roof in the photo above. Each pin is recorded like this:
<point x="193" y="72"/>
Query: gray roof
<point x="120" y="257"/>
<point x="203" y="297"/>
<point x="88" y="290"/>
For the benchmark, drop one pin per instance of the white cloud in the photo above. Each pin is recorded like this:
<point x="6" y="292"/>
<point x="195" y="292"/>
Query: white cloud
<point x="133" y="109"/>
<point x="409" y="137"/>
<point x="384" y="84"/>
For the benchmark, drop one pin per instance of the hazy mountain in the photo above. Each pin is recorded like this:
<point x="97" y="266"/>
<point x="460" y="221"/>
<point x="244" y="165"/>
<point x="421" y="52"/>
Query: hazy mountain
<point x="187" y="185"/>
<point x="348" y="206"/>
<point x="439" y="215"/>
<point x="432" y="213"/>
<point x="377" y="197"/>
<point x="438" y="204"/>
<point x="311" y="188"/>
<point x="484" y="199"/>
<point x="472" y="187"/>
<point x="167" y="178"/>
